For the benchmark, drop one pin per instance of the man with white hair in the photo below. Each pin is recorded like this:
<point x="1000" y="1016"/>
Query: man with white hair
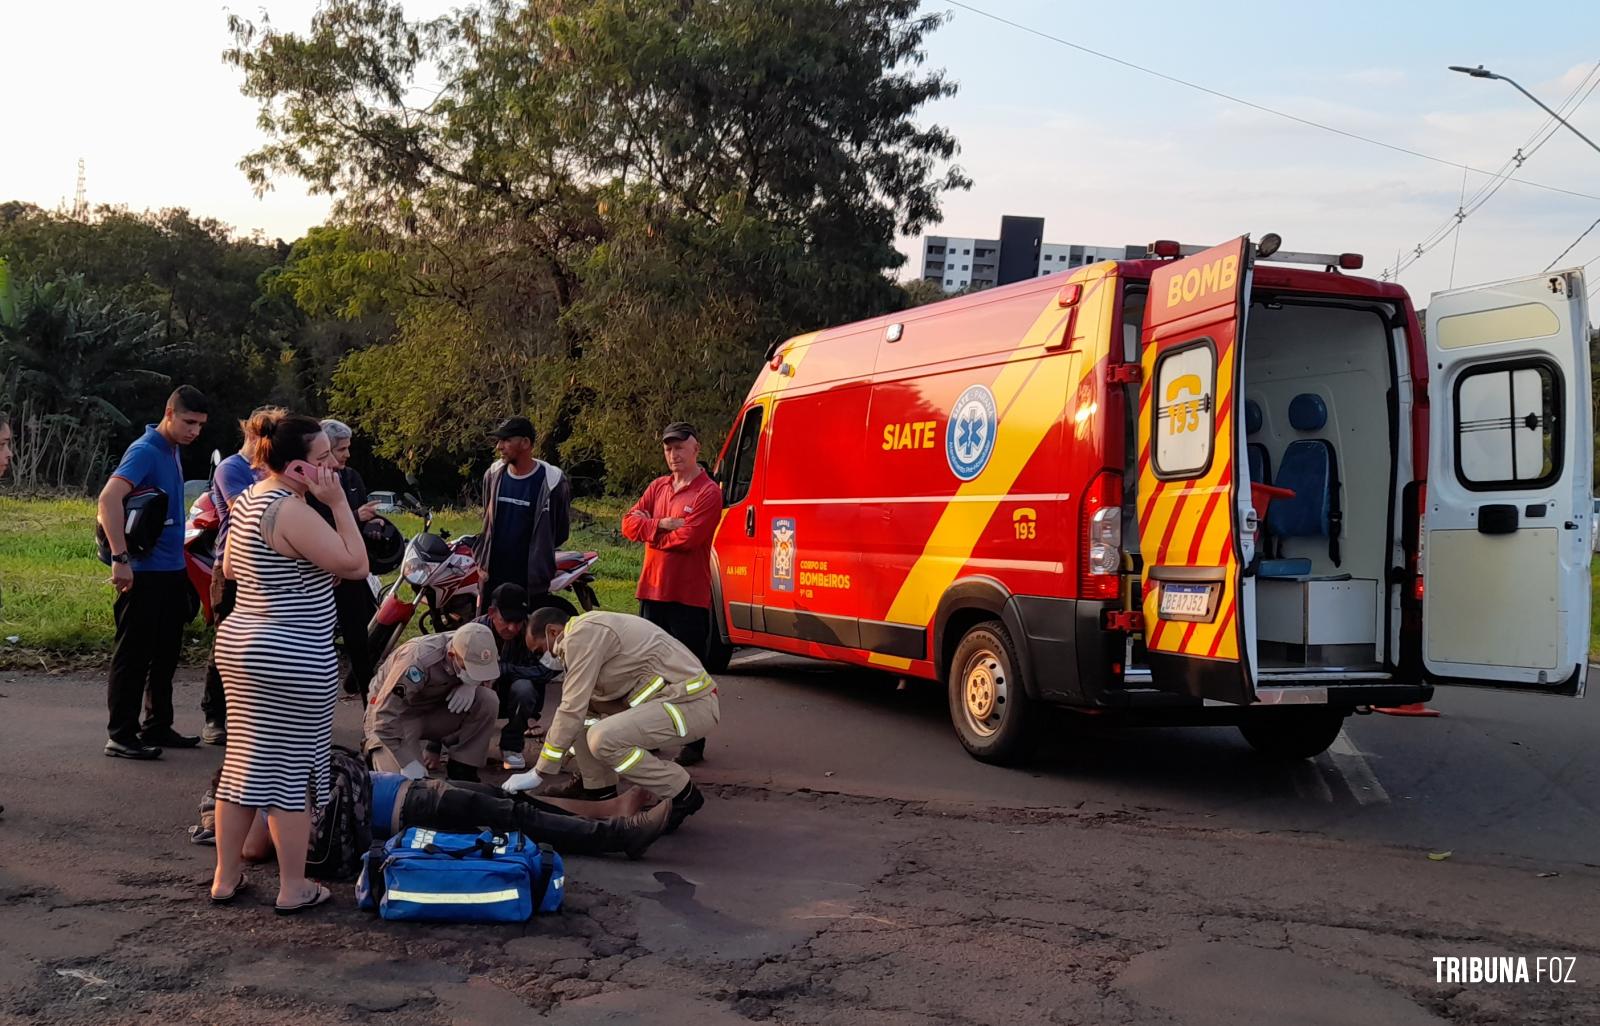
<point x="353" y="601"/>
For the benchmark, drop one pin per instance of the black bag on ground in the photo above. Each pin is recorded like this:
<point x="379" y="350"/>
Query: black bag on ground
<point x="341" y="831"/>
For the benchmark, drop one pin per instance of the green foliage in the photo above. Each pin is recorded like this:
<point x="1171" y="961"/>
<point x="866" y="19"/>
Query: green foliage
<point x="110" y="312"/>
<point x="604" y="214"/>
<point x="8" y="296"/>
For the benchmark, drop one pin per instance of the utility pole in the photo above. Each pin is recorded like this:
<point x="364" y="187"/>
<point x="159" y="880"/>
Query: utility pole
<point x="80" y="198"/>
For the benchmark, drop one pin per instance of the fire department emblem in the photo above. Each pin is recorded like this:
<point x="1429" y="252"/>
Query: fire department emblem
<point x="969" y="433"/>
<point x="783" y="554"/>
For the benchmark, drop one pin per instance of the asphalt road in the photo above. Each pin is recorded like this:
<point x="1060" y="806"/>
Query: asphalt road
<point x="854" y="866"/>
<point x="1500" y="776"/>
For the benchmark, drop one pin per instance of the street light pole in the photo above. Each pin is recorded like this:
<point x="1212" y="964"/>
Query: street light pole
<point x="1481" y="72"/>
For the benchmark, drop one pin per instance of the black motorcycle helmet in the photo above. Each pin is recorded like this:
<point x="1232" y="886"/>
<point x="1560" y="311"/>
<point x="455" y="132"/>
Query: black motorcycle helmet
<point x="386" y="546"/>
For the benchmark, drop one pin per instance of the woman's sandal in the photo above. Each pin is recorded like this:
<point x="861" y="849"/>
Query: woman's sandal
<point x="238" y="889"/>
<point x="322" y="897"/>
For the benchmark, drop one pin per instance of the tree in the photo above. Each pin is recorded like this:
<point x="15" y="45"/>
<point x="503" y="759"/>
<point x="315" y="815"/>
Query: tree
<point x="613" y="207"/>
<point x="75" y="364"/>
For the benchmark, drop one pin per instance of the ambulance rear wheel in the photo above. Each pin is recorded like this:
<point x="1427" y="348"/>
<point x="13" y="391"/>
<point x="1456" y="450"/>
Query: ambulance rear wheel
<point x="988" y="705"/>
<point x="1289" y="734"/>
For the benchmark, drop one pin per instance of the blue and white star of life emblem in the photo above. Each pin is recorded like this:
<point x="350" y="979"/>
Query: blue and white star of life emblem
<point x="969" y="434"/>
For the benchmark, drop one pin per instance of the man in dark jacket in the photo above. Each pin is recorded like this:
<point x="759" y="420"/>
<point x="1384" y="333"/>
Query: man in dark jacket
<point x="526" y="514"/>
<point x="522" y="677"/>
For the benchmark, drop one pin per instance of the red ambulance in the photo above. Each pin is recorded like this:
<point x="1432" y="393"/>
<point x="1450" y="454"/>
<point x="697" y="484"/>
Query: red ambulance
<point x="1206" y="487"/>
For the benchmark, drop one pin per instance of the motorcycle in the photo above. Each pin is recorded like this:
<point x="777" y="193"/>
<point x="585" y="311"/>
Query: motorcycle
<point x="200" y="529"/>
<point x="445" y="577"/>
<point x="199" y="539"/>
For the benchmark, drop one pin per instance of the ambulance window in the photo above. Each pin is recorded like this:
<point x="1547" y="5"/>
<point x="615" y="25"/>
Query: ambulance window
<point x="1184" y="408"/>
<point x="744" y="458"/>
<point x="1507" y="418"/>
<point x="1133" y="301"/>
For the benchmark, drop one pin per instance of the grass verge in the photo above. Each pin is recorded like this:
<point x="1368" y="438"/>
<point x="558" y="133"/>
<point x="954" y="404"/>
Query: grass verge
<point x="57" y="596"/>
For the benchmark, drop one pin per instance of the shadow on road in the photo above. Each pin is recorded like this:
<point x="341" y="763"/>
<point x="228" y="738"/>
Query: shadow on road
<point x="1076" y="756"/>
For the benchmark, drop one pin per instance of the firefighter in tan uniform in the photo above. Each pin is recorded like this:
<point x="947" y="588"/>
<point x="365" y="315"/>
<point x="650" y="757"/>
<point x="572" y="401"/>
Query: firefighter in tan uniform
<point x="629" y="688"/>
<point x="436" y="688"/>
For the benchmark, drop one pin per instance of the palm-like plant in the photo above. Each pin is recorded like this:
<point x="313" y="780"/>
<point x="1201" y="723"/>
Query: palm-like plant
<point x="76" y="354"/>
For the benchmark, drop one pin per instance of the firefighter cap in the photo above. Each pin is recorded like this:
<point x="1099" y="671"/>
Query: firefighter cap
<point x="473" y="644"/>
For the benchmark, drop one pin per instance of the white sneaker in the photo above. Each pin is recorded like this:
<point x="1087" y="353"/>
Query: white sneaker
<point x="513" y="762"/>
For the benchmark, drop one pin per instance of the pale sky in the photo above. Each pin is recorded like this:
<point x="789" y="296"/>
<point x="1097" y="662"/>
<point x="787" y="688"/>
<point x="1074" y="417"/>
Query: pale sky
<point x="1105" y="154"/>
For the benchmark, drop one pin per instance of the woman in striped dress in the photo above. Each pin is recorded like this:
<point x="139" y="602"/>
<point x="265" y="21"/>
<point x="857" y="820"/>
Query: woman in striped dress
<point x="275" y="653"/>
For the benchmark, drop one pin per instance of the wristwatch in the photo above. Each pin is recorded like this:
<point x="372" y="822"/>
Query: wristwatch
<point x="121" y="557"/>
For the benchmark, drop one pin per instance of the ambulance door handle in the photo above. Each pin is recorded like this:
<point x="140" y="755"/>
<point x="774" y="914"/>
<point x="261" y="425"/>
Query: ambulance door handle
<point x="750" y="521"/>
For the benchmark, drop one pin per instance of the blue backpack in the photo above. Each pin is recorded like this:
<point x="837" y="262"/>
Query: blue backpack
<point x="428" y="876"/>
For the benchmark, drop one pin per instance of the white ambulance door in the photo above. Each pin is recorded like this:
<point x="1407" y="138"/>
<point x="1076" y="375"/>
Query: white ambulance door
<point x="1510" y="475"/>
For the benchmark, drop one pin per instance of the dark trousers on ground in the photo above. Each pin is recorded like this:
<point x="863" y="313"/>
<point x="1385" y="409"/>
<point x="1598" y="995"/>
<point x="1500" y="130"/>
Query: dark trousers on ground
<point x="213" y="704"/>
<point x="690" y="626"/>
<point x="150" y="618"/>
<point x="466" y="808"/>
<point x="354" y="605"/>
<point x="521" y="700"/>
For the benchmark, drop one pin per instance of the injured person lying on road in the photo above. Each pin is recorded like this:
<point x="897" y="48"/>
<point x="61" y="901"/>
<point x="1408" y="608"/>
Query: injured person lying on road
<point x="572" y="827"/>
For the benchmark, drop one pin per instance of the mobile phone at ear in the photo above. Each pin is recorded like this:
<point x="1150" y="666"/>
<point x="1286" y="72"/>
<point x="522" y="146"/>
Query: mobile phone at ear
<point x="301" y="471"/>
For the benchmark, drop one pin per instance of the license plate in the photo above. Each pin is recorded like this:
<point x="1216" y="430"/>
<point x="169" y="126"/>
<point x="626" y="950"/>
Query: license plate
<point x="1186" y="601"/>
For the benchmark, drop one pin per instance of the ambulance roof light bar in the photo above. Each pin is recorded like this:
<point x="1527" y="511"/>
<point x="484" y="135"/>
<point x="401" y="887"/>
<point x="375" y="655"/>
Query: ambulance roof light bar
<point x="1267" y="249"/>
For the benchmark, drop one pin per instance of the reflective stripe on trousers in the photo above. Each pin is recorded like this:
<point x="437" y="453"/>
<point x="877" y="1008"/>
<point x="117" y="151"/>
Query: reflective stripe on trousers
<point x="677" y="718"/>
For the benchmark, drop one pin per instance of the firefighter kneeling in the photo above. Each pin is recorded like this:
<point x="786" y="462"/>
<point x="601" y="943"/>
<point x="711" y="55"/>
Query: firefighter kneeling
<point x="629" y="689"/>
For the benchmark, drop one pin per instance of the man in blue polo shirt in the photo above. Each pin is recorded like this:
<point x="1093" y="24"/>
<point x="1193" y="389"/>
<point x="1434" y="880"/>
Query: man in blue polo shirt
<point x="152" y="599"/>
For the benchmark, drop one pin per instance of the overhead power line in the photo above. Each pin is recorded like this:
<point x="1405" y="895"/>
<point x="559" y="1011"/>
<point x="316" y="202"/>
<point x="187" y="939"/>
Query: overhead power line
<point x="1575" y="242"/>
<point x="1252" y="104"/>
<point x="1451" y="226"/>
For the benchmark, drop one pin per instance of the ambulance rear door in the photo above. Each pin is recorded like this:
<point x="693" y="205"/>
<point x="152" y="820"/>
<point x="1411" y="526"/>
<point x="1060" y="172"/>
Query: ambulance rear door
<point x="1195" y="519"/>
<point x="1506" y="525"/>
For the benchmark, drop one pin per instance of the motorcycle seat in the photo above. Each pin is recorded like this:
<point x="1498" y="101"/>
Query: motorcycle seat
<point x="572" y="560"/>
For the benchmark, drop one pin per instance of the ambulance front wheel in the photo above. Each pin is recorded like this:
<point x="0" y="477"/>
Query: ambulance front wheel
<point x="988" y="705"/>
<point x="1289" y="734"/>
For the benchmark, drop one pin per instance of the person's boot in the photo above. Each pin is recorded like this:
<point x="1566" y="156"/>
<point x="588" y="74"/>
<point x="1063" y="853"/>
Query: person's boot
<point x="578" y="835"/>
<point x="574" y="788"/>
<point x="454" y="770"/>
<point x="692" y="754"/>
<point x="684" y="804"/>
<point x="631" y="835"/>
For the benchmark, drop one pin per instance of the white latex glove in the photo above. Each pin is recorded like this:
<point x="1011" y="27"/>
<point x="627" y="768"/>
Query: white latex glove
<point x="460" y="699"/>
<point x="522" y="782"/>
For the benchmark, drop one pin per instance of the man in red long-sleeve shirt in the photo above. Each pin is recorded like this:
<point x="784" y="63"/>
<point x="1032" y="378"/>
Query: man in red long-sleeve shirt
<point x="676" y="518"/>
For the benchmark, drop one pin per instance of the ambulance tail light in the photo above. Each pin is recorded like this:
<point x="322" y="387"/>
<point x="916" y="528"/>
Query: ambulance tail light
<point x="1101" y="576"/>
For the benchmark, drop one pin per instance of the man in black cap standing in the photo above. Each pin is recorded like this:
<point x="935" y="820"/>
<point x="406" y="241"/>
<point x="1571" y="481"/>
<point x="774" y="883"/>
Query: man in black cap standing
<point x="676" y="519"/>
<point x="526" y="514"/>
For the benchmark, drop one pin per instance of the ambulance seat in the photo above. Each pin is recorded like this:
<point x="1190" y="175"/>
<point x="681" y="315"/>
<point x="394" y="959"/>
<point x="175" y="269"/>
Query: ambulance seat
<point x="1260" y="461"/>
<point x="1310" y="468"/>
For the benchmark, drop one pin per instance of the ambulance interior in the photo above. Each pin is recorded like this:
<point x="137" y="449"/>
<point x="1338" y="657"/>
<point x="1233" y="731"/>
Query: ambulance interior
<point x="1319" y="379"/>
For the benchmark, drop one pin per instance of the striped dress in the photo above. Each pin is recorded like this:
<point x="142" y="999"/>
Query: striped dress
<point x="279" y="671"/>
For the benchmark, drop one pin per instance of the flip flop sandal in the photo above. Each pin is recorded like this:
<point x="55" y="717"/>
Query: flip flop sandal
<point x="238" y="889"/>
<point x="323" y="896"/>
